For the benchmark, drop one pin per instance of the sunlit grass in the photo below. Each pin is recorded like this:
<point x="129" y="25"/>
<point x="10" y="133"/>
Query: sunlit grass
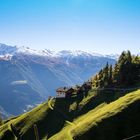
<point x="93" y="117"/>
<point x="81" y="124"/>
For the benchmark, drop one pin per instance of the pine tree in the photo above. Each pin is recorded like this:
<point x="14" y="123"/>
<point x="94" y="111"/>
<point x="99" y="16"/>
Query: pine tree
<point x="100" y="75"/>
<point x="136" y="60"/>
<point x="115" y="74"/>
<point x="121" y="58"/>
<point x="126" y="72"/>
<point x="129" y="56"/>
<point x="110" y="79"/>
<point x="106" y="75"/>
<point x="95" y="81"/>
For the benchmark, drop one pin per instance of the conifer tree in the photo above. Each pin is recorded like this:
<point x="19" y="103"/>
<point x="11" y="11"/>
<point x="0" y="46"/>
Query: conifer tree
<point x="95" y="81"/>
<point x="110" y="79"/>
<point x="115" y="74"/>
<point x="126" y="72"/>
<point x="106" y="75"/>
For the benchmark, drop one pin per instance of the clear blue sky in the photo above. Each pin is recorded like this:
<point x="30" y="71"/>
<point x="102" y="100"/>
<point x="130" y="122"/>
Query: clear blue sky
<point x="103" y="26"/>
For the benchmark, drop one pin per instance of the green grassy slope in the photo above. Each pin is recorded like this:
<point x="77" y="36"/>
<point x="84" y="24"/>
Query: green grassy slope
<point x="72" y="118"/>
<point x="113" y="121"/>
<point x="50" y="118"/>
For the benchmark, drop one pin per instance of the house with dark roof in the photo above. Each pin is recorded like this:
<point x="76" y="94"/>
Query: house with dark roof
<point x="64" y="92"/>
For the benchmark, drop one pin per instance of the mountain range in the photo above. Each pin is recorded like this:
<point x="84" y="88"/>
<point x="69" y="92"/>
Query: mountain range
<point x="29" y="77"/>
<point x="106" y="107"/>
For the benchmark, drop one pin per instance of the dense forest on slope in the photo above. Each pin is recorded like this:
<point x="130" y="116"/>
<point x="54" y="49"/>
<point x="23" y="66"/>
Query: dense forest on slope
<point x="125" y="73"/>
<point x="109" y="110"/>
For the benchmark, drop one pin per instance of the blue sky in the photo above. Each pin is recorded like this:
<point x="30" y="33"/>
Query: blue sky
<point x="103" y="26"/>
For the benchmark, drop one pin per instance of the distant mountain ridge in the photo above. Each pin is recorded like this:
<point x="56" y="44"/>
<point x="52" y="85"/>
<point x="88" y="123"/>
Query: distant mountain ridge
<point x="13" y="50"/>
<point x="29" y="76"/>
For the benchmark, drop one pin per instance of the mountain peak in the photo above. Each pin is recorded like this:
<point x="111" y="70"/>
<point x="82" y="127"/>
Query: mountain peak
<point x="7" y="50"/>
<point x="76" y="53"/>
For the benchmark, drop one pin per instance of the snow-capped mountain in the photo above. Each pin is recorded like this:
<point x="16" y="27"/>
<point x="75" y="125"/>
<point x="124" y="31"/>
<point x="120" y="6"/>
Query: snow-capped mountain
<point x="12" y="50"/>
<point x="76" y="53"/>
<point x="29" y="76"/>
<point x="5" y="49"/>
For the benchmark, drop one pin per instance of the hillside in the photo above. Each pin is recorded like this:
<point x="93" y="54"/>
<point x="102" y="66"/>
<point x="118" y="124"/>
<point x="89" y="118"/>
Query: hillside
<point x="109" y="111"/>
<point x="117" y="120"/>
<point x="104" y="117"/>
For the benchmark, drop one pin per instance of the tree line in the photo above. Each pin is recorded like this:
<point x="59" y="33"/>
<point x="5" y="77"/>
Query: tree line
<point x="125" y="73"/>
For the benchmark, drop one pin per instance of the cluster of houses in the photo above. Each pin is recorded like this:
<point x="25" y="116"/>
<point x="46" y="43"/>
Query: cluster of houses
<point x="64" y="92"/>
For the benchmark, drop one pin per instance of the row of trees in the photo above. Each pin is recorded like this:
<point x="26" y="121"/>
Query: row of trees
<point x="126" y="72"/>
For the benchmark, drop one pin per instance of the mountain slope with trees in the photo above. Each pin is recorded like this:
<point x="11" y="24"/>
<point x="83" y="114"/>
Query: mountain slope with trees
<point x="125" y="73"/>
<point x="109" y="111"/>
